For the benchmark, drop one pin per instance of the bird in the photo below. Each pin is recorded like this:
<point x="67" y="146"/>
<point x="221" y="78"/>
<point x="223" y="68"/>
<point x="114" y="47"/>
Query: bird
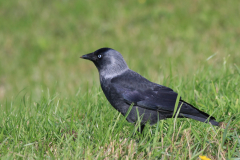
<point x="126" y="89"/>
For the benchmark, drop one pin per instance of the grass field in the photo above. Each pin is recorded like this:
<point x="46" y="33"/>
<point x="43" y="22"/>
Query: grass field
<point x="51" y="104"/>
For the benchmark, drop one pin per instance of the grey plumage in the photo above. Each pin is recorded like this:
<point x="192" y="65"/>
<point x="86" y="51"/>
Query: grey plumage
<point x="123" y="87"/>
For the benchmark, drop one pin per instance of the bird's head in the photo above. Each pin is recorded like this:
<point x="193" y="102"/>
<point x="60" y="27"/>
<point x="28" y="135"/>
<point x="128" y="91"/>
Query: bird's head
<point x="109" y="62"/>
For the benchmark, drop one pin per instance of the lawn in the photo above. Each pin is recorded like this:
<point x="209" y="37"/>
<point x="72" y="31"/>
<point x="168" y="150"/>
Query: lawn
<point x="51" y="103"/>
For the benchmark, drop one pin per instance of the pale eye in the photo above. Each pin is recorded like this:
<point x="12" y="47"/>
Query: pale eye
<point x="99" y="56"/>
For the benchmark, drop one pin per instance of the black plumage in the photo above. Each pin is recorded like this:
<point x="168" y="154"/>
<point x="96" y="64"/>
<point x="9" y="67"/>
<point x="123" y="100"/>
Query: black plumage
<point x="123" y="87"/>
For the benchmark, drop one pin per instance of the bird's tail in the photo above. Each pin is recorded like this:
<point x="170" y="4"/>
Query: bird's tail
<point x="211" y="119"/>
<point x="198" y="115"/>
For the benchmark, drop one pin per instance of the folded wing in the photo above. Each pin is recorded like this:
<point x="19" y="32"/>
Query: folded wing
<point x="152" y="96"/>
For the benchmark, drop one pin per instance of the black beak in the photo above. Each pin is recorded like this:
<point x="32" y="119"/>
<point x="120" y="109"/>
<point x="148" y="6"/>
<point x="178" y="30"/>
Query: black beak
<point x="88" y="56"/>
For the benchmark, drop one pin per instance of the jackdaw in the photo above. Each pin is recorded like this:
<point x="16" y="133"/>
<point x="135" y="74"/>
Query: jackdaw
<point x="150" y="101"/>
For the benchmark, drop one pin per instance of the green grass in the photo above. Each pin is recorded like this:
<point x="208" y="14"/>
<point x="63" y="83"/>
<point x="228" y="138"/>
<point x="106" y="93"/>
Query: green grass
<point x="51" y="105"/>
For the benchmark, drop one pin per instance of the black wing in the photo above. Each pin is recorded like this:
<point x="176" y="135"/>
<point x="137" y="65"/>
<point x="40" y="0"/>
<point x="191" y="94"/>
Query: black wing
<point x="134" y="88"/>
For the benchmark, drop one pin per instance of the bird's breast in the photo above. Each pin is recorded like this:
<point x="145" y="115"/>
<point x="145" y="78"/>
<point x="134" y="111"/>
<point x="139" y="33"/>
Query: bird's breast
<point x="113" y="97"/>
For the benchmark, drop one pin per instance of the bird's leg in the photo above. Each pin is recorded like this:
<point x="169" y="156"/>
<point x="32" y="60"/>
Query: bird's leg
<point x="140" y="129"/>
